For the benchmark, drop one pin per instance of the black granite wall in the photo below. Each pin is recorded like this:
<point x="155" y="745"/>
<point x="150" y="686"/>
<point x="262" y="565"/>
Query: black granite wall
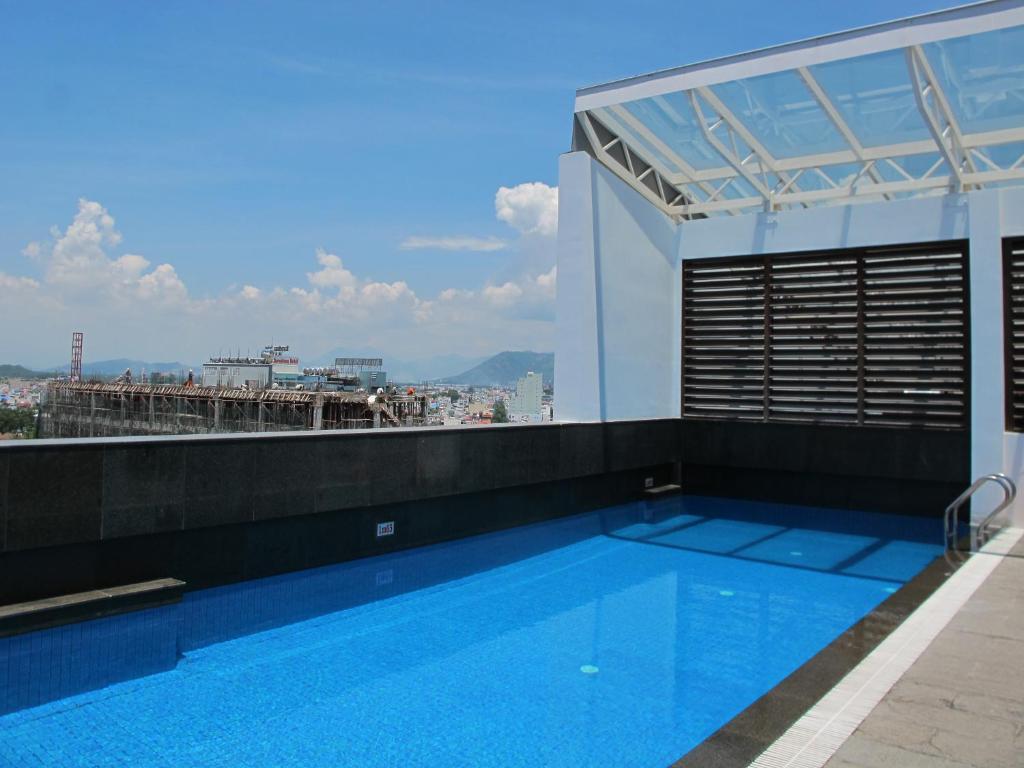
<point x="87" y="514"/>
<point x="905" y="471"/>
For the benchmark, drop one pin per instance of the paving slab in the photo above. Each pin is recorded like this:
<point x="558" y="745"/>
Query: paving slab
<point x="961" y="704"/>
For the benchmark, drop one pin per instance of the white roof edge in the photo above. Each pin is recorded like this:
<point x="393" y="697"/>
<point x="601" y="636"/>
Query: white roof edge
<point x="977" y="17"/>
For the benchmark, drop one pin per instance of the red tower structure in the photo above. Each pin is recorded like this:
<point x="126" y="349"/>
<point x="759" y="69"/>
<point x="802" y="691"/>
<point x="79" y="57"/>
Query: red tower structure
<point x="76" y="355"/>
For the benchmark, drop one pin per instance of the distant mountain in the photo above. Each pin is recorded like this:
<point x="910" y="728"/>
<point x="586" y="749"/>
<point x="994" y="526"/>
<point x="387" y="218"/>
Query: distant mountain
<point x="21" y="372"/>
<point x="403" y="371"/>
<point x="506" y="367"/>
<point x="117" y="366"/>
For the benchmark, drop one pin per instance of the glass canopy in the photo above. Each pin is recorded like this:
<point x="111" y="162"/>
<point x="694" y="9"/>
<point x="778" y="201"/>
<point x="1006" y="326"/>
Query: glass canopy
<point x="927" y="105"/>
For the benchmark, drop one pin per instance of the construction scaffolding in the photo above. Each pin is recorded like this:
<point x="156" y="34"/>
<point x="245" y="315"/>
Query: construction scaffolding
<point x="71" y="409"/>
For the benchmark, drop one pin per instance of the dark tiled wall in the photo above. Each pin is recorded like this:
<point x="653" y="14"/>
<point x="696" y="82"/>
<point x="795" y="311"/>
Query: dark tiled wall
<point x="216" y="511"/>
<point x="872" y="468"/>
<point x="63" y="492"/>
<point x="223" y="554"/>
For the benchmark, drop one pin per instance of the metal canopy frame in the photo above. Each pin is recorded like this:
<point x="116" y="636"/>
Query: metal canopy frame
<point x="742" y="175"/>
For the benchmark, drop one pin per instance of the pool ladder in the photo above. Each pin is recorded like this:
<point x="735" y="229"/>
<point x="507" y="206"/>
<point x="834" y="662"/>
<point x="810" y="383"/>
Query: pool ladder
<point x="979" y="531"/>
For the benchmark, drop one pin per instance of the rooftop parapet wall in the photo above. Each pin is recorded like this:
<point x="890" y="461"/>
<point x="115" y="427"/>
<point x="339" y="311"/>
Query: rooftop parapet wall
<point x="59" y="492"/>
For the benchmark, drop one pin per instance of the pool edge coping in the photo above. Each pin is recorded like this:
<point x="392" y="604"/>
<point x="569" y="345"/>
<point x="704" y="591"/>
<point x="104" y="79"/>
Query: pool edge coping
<point x="815" y="738"/>
<point x="805" y="718"/>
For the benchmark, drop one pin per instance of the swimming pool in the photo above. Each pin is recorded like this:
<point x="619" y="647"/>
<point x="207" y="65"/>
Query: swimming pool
<point x="621" y="637"/>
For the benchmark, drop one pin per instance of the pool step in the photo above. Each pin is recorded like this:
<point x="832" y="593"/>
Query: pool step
<point x="663" y="490"/>
<point x="18" y="618"/>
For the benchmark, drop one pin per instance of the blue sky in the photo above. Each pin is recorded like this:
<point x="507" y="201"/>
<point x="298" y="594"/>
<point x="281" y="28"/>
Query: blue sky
<point x="230" y="141"/>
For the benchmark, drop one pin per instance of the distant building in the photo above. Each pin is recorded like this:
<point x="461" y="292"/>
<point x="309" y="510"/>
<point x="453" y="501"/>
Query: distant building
<point x="271" y="367"/>
<point x="371" y="381"/>
<point x="286" y="373"/>
<point x="237" y="372"/>
<point x="527" y="399"/>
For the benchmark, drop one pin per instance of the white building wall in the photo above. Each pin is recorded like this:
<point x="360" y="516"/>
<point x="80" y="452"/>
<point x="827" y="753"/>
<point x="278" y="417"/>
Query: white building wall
<point x="988" y="403"/>
<point x="577" y="370"/>
<point x="618" y="254"/>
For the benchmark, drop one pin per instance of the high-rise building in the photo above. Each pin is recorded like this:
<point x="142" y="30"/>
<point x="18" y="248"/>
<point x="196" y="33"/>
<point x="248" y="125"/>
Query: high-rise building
<point x="527" y="399"/>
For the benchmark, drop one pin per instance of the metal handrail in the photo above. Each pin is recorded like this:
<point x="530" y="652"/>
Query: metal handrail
<point x="977" y="531"/>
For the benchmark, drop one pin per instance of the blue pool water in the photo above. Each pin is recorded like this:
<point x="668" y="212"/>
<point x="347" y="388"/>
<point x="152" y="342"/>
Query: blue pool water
<point x="621" y="637"/>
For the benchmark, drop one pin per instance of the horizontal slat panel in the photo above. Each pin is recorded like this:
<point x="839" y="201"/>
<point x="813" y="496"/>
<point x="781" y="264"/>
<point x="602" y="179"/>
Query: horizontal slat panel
<point x="856" y="338"/>
<point x="1013" y="296"/>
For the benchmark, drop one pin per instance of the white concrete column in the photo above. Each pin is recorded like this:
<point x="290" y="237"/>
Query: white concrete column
<point x="578" y="392"/>
<point x="987" y="388"/>
<point x="318" y="412"/>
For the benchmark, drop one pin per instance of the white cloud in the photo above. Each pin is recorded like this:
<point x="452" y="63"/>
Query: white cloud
<point x="77" y="257"/>
<point x="77" y="262"/>
<point x="455" y="243"/>
<point x="162" y="284"/>
<point x="128" y="306"/>
<point x="531" y="208"/>
<point x="452" y="294"/>
<point x="375" y="293"/>
<point x="13" y="283"/>
<point x="503" y="295"/>
<point x="130" y="265"/>
<point x="333" y="274"/>
<point x="547" y="282"/>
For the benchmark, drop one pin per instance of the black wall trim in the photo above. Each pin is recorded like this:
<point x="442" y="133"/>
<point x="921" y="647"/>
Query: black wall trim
<point x="871" y="468"/>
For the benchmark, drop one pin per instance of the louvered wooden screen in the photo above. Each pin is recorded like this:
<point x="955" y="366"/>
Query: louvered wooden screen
<point x="851" y="337"/>
<point x="1013" y="303"/>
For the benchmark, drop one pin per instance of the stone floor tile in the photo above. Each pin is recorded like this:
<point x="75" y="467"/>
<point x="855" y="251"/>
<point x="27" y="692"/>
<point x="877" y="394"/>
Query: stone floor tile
<point x="962" y="702"/>
<point x="870" y="753"/>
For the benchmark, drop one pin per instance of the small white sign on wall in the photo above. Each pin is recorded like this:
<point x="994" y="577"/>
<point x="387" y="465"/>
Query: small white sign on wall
<point x="386" y="529"/>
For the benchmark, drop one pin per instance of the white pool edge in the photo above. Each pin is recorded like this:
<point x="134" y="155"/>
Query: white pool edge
<point x="817" y="735"/>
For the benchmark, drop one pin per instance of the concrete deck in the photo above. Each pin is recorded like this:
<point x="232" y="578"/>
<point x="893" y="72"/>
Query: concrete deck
<point x="961" y="704"/>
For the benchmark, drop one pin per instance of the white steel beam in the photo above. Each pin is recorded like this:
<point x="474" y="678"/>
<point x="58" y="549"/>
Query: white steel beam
<point x="853" y="194"/>
<point x="735" y="205"/>
<point x="942" y="103"/>
<point x="764" y="157"/>
<point x="623" y="173"/>
<point x="845" y="194"/>
<point x="728" y="154"/>
<point x="939" y="125"/>
<point x="840" y="124"/>
<point x="1015" y="173"/>
<point x="688" y="174"/>
<point x="879" y="153"/>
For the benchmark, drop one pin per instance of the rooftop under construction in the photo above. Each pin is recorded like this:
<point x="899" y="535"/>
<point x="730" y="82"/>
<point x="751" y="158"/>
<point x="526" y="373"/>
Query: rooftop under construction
<point x="73" y="409"/>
